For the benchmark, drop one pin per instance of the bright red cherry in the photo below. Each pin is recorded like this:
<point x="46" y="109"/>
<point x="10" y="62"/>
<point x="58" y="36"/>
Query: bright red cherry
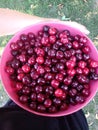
<point x="82" y="64"/>
<point x="70" y="64"/>
<point x="52" y="31"/>
<point x="93" y="64"/>
<point x="55" y="83"/>
<point x="20" y="76"/>
<point x="26" y="68"/>
<point x="58" y="92"/>
<point x="85" y="71"/>
<point x="75" y="45"/>
<point x="40" y="60"/>
<point x="45" y="41"/>
<point x="71" y="72"/>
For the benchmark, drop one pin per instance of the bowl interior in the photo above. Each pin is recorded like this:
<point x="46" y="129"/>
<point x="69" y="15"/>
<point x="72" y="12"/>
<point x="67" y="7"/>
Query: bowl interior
<point x="8" y="85"/>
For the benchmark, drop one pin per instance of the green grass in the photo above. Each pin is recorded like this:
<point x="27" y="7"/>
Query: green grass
<point x="85" y="13"/>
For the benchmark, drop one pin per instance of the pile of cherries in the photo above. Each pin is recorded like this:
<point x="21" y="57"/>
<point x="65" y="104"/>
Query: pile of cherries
<point x="51" y="69"/>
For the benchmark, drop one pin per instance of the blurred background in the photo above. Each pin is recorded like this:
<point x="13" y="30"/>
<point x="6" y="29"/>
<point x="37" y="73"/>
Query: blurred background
<point x="82" y="11"/>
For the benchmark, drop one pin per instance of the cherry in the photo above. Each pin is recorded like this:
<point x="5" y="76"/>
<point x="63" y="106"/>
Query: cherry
<point x="67" y="81"/>
<point x="93" y="64"/>
<point x="63" y="107"/>
<point x="86" y="49"/>
<point x="47" y="103"/>
<point x="59" y="43"/>
<point x="52" y="109"/>
<point x="23" y="99"/>
<point x="85" y="71"/>
<point x="64" y="40"/>
<point x="82" y="79"/>
<point x="26" y="80"/>
<point x="26" y="68"/>
<point x="83" y="39"/>
<point x="55" y="46"/>
<point x="23" y="37"/>
<point x="9" y="70"/>
<point x="75" y="45"/>
<point x="58" y="92"/>
<point x="70" y="64"/>
<point x="46" y="28"/>
<point x="22" y="58"/>
<point x="48" y="76"/>
<point x="41" y="81"/>
<point x="82" y="64"/>
<point x="40" y="52"/>
<point x="33" y="97"/>
<point x="52" y="31"/>
<point x="51" y="53"/>
<point x="55" y="83"/>
<point x="71" y="72"/>
<point x="26" y="90"/>
<point x="68" y="45"/>
<point x="62" y="34"/>
<point x="34" y="75"/>
<point x="59" y="77"/>
<point x="31" y="35"/>
<point x="41" y="108"/>
<point x="33" y="105"/>
<point x="45" y="41"/>
<point x="57" y="101"/>
<point x="49" y="90"/>
<point x="59" y="54"/>
<point x="14" y="52"/>
<point x="80" y="87"/>
<point x="60" y="66"/>
<point x="20" y="76"/>
<point x="40" y="97"/>
<point x="64" y="88"/>
<point x="77" y="37"/>
<point x="74" y="84"/>
<point x="31" y="60"/>
<point x="79" y="70"/>
<point x="93" y="76"/>
<point x="14" y="46"/>
<point x="19" y="86"/>
<point x="86" y="92"/>
<point x="15" y="63"/>
<point x="52" y="39"/>
<point x="40" y="60"/>
<point x="63" y="48"/>
<point x="38" y="89"/>
<point x="79" y="57"/>
<point x="72" y="92"/>
<point x="79" y="99"/>
<point x="86" y="57"/>
<point x="72" y="101"/>
<point x="30" y="51"/>
<point x="47" y="62"/>
<point x="63" y="72"/>
<point x="40" y="70"/>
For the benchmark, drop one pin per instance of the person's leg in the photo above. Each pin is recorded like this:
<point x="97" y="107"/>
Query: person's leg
<point x="17" y="116"/>
<point x="75" y="121"/>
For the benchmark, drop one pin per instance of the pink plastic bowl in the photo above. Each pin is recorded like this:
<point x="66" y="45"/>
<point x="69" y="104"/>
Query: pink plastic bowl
<point x="8" y="85"/>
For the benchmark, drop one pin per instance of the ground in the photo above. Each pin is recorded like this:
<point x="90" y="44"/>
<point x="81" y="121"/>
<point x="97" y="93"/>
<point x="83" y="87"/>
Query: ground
<point x="81" y="11"/>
